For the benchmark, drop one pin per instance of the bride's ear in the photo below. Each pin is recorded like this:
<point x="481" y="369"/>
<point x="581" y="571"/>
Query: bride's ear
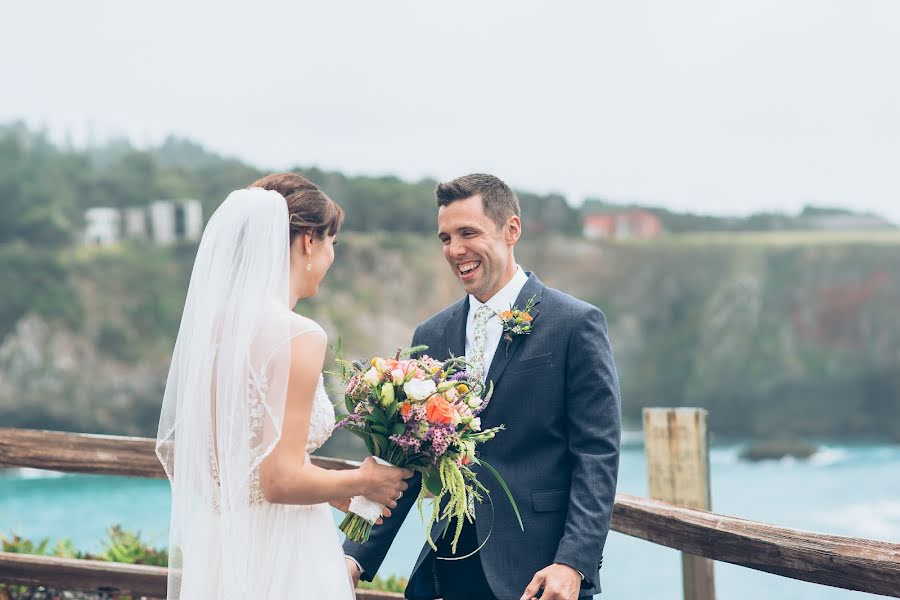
<point x="302" y="244"/>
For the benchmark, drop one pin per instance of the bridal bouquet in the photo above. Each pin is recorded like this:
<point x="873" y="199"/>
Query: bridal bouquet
<point x="421" y="414"/>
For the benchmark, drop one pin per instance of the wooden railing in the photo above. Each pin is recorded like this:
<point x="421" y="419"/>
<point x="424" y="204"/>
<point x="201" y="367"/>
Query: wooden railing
<point x="844" y="562"/>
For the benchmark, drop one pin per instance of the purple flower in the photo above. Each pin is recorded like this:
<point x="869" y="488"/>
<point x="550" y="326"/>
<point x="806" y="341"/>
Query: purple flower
<point x="347" y="420"/>
<point x="407" y="441"/>
<point x="416" y="413"/>
<point x="459" y="376"/>
<point x="440" y="437"/>
<point x="351" y="385"/>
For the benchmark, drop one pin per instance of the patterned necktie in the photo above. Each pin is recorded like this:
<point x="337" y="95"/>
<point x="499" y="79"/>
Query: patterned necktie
<point x="479" y="336"/>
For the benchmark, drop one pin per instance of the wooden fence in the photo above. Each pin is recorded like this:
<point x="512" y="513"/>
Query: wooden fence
<point x="844" y="562"/>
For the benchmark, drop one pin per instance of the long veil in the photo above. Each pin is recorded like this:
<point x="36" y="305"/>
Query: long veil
<point x="224" y="401"/>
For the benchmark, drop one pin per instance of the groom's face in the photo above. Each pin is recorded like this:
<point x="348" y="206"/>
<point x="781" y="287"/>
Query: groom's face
<point x="478" y="251"/>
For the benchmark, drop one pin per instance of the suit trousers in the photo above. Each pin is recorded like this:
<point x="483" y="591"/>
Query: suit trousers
<point x="461" y="579"/>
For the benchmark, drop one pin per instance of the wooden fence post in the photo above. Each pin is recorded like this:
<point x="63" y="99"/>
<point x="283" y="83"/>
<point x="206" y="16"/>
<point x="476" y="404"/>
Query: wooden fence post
<point x="676" y="442"/>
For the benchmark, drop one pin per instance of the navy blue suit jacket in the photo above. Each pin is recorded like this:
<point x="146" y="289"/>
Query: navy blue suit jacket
<point x="557" y="392"/>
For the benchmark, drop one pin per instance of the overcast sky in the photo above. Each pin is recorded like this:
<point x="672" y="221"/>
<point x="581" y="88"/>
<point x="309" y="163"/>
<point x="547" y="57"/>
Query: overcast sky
<point x="711" y="106"/>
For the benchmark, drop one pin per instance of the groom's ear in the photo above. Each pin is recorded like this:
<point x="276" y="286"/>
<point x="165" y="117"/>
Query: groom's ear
<point x="513" y="230"/>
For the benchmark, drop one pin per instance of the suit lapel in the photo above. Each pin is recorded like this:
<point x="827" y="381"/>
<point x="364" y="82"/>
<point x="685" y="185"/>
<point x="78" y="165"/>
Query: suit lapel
<point x="504" y="353"/>
<point x="455" y="334"/>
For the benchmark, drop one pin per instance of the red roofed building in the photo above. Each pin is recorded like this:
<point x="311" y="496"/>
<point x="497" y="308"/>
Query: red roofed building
<point x="637" y="223"/>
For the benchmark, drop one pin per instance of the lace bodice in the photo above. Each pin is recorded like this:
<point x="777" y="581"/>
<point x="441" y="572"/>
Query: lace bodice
<point x="321" y="426"/>
<point x="321" y="421"/>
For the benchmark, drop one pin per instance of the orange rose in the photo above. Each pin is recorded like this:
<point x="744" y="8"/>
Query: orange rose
<point x="525" y="316"/>
<point x="405" y="408"/>
<point x="506" y="315"/>
<point x="438" y="410"/>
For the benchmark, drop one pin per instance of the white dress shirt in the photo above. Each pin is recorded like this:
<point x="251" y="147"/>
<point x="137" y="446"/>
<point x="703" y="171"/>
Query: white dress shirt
<point x="502" y="300"/>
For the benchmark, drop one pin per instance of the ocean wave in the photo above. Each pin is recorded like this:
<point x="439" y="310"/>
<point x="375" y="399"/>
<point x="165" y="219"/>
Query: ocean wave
<point x="29" y="473"/>
<point x="725" y="455"/>
<point x="874" y="520"/>
<point x="827" y="456"/>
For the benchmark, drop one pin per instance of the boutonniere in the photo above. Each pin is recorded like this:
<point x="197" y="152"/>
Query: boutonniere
<point x="516" y="321"/>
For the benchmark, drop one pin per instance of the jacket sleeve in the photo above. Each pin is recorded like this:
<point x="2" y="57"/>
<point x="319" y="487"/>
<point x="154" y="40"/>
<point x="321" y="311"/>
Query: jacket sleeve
<point x="371" y="554"/>
<point x="593" y="409"/>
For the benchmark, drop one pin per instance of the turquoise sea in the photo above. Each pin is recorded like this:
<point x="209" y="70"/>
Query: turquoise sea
<point x="845" y="489"/>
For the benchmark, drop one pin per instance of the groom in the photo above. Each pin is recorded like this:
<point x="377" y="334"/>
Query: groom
<point x="556" y="391"/>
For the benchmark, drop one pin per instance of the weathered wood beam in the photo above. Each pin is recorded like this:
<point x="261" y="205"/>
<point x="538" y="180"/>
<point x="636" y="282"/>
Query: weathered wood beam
<point x="83" y="575"/>
<point x="96" y="454"/>
<point x="844" y="562"/>
<point x="95" y="575"/>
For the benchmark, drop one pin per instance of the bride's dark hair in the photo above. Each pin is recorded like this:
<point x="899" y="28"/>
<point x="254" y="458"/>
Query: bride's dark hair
<point x="310" y="210"/>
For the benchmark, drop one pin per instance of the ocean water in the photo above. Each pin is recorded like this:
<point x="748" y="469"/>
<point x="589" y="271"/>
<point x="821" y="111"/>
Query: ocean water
<point x="845" y="489"/>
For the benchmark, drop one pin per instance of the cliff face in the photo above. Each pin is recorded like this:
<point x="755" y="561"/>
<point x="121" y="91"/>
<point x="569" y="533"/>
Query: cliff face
<point x="771" y="337"/>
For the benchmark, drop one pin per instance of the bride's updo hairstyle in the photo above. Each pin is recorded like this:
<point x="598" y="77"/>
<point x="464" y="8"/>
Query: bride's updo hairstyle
<point x="310" y="210"/>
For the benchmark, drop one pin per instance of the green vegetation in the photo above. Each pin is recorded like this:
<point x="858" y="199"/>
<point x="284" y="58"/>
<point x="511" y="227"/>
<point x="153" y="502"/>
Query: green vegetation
<point x="389" y="584"/>
<point x="121" y="546"/>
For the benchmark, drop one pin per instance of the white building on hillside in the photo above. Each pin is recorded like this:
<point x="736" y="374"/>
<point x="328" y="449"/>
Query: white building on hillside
<point x="164" y="222"/>
<point x="193" y="219"/>
<point x="136" y="223"/>
<point x="102" y="226"/>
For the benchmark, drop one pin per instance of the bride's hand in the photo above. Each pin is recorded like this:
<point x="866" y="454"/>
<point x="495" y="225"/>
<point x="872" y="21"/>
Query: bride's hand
<point x="383" y="484"/>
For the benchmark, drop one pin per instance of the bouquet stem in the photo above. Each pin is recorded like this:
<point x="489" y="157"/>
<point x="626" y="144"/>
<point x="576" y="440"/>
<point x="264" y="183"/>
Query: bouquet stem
<point x="356" y="528"/>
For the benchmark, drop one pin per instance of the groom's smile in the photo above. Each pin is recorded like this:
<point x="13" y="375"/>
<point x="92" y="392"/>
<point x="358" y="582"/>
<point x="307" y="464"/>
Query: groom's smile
<point x="467" y="269"/>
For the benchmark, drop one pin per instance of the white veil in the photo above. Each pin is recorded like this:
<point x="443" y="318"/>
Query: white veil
<point x="224" y="401"/>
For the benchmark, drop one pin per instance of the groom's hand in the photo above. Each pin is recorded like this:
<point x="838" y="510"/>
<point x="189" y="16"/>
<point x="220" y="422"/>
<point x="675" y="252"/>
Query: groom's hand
<point x="353" y="570"/>
<point x="560" y="582"/>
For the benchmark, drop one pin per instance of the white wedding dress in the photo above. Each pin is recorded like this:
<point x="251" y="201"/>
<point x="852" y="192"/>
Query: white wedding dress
<point x="292" y="551"/>
<point x="223" y="413"/>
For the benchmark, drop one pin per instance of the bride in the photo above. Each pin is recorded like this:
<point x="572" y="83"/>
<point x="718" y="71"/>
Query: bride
<point x="244" y="407"/>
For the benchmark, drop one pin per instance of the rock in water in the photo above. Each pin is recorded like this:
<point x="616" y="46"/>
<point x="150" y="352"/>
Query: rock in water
<point x="777" y="449"/>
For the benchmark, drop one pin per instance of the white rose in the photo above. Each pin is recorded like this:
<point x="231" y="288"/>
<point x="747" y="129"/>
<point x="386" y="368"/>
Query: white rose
<point x="419" y="389"/>
<point x="474" y="401"/>
<point x="476" y="424"/>
<point x="372" y="377"/>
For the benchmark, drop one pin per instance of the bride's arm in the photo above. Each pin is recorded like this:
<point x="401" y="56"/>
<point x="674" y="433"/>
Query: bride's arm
<point x="285" y="475"/>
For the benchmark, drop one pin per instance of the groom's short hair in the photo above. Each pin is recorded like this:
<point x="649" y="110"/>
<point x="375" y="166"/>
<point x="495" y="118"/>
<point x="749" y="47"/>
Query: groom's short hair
<point x="500" y="202"/>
